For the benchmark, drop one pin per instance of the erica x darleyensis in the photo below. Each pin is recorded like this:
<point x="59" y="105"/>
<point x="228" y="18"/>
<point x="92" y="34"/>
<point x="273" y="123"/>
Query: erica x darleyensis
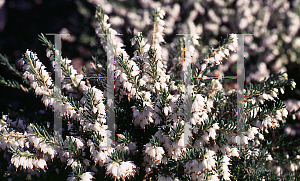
<point x="161" y="101"/>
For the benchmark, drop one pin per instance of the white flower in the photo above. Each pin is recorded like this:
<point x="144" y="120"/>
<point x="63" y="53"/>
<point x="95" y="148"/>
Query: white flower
<point x="231" y="48"/>
<point x="26" y="162"/>
<point x="218" y="57"/>
<point x="284" y="112"/>
<point x="261" y="136"/>
<point x="157" y="85"/>
<point x="73" y="163"/>
<point x="161" y="13"/>
<point x="79" y="143"/>
<point x="226" y="160"/>
<point x="278" y="170"/>
<point x="38" y="65"/>
<point x="166" y="109"/>
<point x="16" y="161"/>
<point x="41" y="163"/>
<point x="142" y="82"/>
<point x="159" y="152"/>
<point x="226" y="52"/>
<point x="234" y="152"/>
<point x="211" y="162"/>
<point x="265" y="96"/>
<point x="135" y="73"/>
<point x="212" y="131"/>
<point x="156" y="153"/>
<point x="251" y="132"/>
<point x="269" y="157"/>
<point x="87" y="176"/>
<point x="267" y="122"/>
<point x="121" y="170"/>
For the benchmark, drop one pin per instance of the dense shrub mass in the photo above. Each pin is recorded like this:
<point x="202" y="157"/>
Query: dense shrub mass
<point x="168" y="117"/>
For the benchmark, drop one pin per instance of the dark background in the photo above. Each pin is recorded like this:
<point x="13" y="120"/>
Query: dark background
<point x="24" y="20"/>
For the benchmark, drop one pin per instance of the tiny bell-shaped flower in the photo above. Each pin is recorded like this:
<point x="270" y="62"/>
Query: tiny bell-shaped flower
<point x="281" y="90"/>
<point x="293" y="86"/>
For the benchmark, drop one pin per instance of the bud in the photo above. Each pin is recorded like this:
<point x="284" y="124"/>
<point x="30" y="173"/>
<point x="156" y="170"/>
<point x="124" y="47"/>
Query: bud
<point x="285" y="75"/>
<point x="266" y="130"/>
<point x="121" y="136"/>
<point x="293" y="86"/>
<point x="282" y="90"/>
<point x="273" y="93"/>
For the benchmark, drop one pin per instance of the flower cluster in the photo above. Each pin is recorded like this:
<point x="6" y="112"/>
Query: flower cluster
<point x="271" y="48"/>
<point x="121" y="170"/>
<point x="171" y="122"/>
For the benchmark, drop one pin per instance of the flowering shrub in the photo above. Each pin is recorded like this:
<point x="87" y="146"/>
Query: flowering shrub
<point x="274" y="25"/>
<point x="172" y="122"/>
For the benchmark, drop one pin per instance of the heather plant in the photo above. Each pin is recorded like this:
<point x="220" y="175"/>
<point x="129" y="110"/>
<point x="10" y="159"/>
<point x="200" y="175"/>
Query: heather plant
<point x="172" y="120"/>
<point x="272" y="48"/>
